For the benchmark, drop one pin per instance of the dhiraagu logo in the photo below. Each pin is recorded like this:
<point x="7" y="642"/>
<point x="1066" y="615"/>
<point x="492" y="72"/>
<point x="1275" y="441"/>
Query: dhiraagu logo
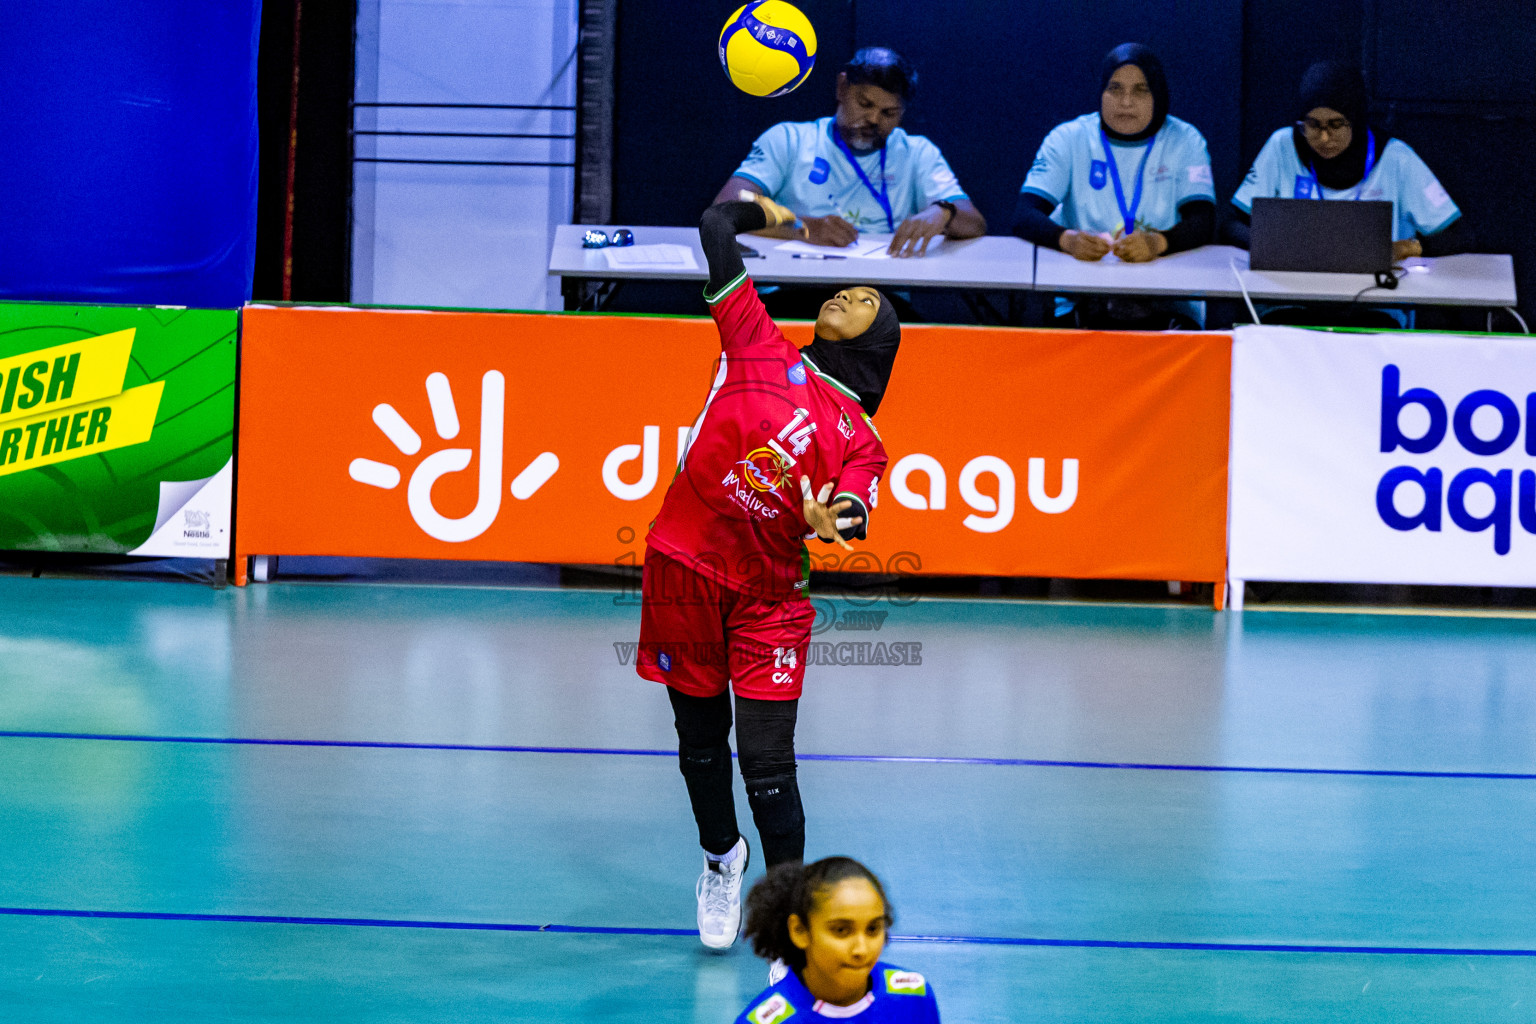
<point x="67" y="402"/>
<point x="445" y="419"/>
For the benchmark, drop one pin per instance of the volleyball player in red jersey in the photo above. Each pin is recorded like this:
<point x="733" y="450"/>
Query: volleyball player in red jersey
<point x="784" y="450"/>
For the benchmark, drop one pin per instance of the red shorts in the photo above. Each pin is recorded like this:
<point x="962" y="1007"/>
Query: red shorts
<point x="697" y="635"/>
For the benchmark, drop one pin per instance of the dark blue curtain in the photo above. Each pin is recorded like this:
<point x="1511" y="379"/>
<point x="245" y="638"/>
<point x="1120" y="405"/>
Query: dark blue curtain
<point x="995" y="77"/>
<point x="128" y="164"/>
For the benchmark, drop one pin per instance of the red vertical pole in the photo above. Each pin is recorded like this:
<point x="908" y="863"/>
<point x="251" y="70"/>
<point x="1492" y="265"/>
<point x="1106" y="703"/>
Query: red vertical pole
<point x="293" y="146"/>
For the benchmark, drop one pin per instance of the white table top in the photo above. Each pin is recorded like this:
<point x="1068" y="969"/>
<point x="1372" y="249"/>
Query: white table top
<point x="1471" y="279"/>
<point x="987" y="262"/>
<point x="994" y="262"/>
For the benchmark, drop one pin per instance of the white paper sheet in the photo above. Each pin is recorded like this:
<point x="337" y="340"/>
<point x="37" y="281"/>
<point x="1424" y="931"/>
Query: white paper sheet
<point x="660" y="256"/>
<point x="868" y="247"/>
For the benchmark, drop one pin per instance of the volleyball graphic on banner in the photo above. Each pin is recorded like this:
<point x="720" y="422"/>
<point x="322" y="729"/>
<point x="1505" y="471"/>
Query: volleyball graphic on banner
<point x="767" y="48"/>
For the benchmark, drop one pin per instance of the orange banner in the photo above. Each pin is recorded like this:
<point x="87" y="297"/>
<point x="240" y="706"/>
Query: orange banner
<point x="552" y="438"/>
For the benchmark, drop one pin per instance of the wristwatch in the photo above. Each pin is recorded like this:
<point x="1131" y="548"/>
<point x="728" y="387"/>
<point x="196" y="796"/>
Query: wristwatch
<point x="948" y="206"/>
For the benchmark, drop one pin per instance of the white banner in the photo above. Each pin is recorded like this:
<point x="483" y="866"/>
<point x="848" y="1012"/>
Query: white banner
<point x="1383" y="458"/>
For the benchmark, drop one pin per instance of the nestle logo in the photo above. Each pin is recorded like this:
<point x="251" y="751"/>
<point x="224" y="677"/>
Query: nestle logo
<point x="196" y="524"/>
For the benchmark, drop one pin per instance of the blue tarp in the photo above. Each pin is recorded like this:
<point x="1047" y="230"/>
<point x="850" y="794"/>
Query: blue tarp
<point x="128" y="159"/>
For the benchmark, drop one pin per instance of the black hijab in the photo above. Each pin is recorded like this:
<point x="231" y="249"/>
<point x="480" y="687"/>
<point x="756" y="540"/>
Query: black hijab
<point x="1340" y="87"/>
<point x="1144" y="58"/>
<point x="862" y="363"/>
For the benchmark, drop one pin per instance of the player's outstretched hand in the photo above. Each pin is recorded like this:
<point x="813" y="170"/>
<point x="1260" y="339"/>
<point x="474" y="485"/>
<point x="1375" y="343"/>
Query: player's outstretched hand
<point x="777" y="215"/>
<point x="826" y="521"/>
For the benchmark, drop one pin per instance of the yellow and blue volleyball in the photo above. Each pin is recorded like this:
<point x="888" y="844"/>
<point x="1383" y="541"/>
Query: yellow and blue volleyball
<point x="767" y="47"/>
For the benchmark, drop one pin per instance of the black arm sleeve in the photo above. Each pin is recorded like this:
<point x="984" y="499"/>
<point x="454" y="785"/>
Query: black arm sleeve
<point x="1032" y="221"/>
<point x="856" y="510"/>
<point x="718" y="229"/>
<point x="1196" y="226"/>
<point x="1455" y="238"/>
<point x="1239" y="229"/>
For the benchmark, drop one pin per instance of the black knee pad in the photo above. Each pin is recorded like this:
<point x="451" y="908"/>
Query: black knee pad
<point x="765" y="764"/>
<point x="704" y="761"/>
<point x="775" y="802"/>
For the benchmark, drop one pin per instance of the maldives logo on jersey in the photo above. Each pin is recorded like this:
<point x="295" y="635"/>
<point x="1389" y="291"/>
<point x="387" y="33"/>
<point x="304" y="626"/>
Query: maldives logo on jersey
<point x="763" y="469"/>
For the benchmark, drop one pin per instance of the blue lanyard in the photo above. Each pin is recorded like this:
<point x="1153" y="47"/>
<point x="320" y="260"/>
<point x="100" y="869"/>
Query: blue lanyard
<point x="883" y="197"/>
<point x="1128" y="213"/>
<point x="1370" y="161"/>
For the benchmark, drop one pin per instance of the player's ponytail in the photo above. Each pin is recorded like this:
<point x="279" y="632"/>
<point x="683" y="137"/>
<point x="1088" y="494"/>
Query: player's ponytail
<point x="796" y="888"/>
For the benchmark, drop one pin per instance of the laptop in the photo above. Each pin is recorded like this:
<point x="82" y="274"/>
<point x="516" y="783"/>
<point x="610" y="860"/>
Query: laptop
<point x="1338" y="236"/>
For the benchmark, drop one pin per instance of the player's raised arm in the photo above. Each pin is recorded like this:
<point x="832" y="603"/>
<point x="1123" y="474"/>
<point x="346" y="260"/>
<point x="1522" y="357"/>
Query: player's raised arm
<point x="733" y="302"/>
<point x="718" y="229"/>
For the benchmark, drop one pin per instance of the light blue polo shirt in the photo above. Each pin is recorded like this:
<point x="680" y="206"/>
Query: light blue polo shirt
<point x="1071" y="172"/>
<point x="1420" y="206"/>
<point x="799" y="165"/>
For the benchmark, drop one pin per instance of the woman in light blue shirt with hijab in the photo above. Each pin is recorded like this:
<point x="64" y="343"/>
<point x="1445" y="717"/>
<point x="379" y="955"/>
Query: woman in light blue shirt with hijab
<point x="1129" y="179"/>
<point x="1333" y="152"/>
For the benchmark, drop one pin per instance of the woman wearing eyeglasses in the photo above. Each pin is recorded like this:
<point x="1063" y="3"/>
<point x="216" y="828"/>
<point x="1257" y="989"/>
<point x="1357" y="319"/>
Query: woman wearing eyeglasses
<point x="1333" y="152"/>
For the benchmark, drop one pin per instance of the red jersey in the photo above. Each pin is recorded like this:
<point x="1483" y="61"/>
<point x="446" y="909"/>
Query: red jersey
<point x="733" y="511"/>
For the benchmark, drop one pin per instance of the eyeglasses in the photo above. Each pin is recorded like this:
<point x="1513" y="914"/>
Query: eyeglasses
<point x="1333" y="127"/>
<point x="598" y="240"/>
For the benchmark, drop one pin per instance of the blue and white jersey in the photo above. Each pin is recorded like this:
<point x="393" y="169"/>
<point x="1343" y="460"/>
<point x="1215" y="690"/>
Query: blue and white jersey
<point x="800" y="165"/>
<point x="1420" y="206"/>
<point x="1071" y="171"/>
<point x="895" y="997"/>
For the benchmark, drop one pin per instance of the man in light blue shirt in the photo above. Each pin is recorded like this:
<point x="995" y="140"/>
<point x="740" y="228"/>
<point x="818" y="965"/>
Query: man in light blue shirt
<point x="858" y="171"/>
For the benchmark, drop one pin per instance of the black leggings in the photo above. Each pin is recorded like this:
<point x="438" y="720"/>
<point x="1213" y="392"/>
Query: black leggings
<point x="765" y="740"/>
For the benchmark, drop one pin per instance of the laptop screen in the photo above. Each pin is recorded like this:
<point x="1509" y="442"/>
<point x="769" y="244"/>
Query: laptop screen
<point x="1328" y="236"/>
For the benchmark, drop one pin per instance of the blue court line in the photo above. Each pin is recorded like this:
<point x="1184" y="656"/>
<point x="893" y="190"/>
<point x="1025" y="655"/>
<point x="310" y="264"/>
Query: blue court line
<point x="1015" y="762"/>
<point x="574" y="929"/>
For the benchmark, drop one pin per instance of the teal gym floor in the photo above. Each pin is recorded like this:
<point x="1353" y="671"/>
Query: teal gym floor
<point x="388" y="803"/>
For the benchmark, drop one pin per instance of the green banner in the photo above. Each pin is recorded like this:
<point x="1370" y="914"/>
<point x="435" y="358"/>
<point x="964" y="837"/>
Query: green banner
<point x="116" y="429"/>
